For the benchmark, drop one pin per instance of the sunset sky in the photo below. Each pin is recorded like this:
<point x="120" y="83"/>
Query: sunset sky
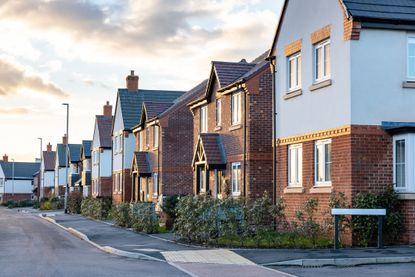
<point x="80" y="52"/>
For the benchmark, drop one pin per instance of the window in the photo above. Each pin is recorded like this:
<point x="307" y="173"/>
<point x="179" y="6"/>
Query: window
<point x="323" y="162"/>
<point x="147" y="139"/>
<point x="202" y="179"/>
<point x="120" y="142"/>
<point x="322" y="67"/>
<point x="120" y="182"/>
<point x="115" y="182"/>
<point x="203" y="119"/>
<point x="218" y="112"/>
<point x="236" y="108"/>
<point x="218" y="182"/>
<point x="295" y="164"/>
<point x="411" y="58"/>
<point x="155" y="184"/>
<point x="236" y="178"/>
<point x="404" y="162"/>
<point x="115" y="146"/>
<point x="294" y="72"/>
<point x="142" y="141"/>
<point x="155" y="136"/>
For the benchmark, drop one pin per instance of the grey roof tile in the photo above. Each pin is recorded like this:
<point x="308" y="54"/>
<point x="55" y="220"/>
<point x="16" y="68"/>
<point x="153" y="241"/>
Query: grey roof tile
<point x="49" y="160"/>
<point x="383" y="10"/>
<point x="104" y="128"/>
<point x="22" y="170"/>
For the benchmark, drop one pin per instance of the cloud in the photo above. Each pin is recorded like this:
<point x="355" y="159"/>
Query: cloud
<point x="15" y="111"/>
<point x="14" y="77"/>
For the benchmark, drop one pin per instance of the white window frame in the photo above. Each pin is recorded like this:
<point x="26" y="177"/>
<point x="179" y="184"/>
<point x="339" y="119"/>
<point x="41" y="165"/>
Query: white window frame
<point x="322" y="45"/>
<point x="218" y="112"/>
<point x="155" y="184"/>
<point x="325" y="182"/>
<point x="236" y="186"/>
<point x="236" y="108"/>
<point x="410" y="40"/>
<point x="298" y="72"/>
<point x="203" y="119"/>
<point x="121" y="183"/>
<point x="116" y="182"/>
<point x="409" y="162"/>
<point x="298" y="166"/>
<point x="141" y="142"/>
<point x="156" y="134"/>
<point x="115" y="146"/>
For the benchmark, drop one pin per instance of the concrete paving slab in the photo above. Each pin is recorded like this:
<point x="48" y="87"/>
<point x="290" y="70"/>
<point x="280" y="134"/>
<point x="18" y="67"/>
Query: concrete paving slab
<point x="217" y="256"/>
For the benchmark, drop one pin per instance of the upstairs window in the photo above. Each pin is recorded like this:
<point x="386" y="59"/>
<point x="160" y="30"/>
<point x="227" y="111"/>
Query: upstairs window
<point x="411" y="58"/>
<point x="323" y="162"/>
<point x="120" y="142"/>
<point x="141" y="140"/>
<point x="147" y="139"/>
<point x="115" y="146"/>
<point x="156" y="136"/>
<point x="218" y="112"/>
<point x="322" y="69"/>
<point x="236" y="108"/>
<point x="294" y="72"/>
<point x="203" y="119"/>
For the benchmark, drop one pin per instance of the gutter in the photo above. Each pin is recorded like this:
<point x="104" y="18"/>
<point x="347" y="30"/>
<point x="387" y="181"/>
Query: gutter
<point x="245" y="93"/>
<point x="274" y="130"/>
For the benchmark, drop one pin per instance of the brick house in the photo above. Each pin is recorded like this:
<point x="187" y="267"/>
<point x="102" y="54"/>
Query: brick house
<point x="344" y="102"/>
<point x="232" y="127"/>
<point x="126" y="116"/>
<point x="164" y="140"/>
<point x="101" y="154"/>
<point x="16" y="180"/>
<point x="47" y="171"/>
<point x="83" y="184"/>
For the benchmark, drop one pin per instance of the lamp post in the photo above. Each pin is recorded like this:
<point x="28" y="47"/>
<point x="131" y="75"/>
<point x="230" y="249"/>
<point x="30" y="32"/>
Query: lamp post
<point x="66" y="157"/>
<point x="40" y="171"/>
<point x="13" y="177"/>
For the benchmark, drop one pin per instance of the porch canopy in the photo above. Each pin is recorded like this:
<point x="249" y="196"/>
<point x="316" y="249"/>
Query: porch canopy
<point x="141" y="164"/>
<point x="210" y="152"/>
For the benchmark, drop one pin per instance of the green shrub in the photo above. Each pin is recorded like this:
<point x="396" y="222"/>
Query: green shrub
<point x="19" y="204"/>
<point x="57" y="203"/>
<point x="365" y="227"/>
<point x="74" y="202"/>
<point x="122" y="215"/>
<point x="46" y="205"/>
<point x="96" y="208"/>
<point x="170" y="204"/>
<point x="144" y="218"/>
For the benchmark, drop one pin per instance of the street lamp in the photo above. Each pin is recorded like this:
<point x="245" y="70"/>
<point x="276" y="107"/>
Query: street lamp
<point x="67" y="150"/>
<point x="12" y="177"/>
<point x="40" y="171"/>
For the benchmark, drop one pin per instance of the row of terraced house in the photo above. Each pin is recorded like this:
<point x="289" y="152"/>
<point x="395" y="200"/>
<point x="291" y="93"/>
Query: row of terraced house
<point x="329" y="108"/>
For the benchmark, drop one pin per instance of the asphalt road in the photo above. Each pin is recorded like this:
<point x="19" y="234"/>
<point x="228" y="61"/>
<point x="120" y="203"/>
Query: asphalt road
<point x="30" y="246"/>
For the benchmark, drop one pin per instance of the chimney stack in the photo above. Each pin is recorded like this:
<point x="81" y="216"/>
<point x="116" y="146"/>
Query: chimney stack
<point x="5" y="158"/>
<point x="108" y="109"/>
<point x="132" y="82"/>
<point x="49" y="147"/>
<point x="65" y="139"/>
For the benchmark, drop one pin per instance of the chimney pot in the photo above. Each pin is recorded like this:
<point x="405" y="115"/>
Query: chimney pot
<point x="107" y="109"/>
<point x="49" y="147"/>
<point x="5" y="158"/>
<point x="132" y="82"/>
<point x="65" y="139"/>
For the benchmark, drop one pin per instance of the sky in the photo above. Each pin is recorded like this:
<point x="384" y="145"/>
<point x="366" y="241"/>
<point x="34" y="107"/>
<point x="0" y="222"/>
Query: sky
<point x="79" y="52"/>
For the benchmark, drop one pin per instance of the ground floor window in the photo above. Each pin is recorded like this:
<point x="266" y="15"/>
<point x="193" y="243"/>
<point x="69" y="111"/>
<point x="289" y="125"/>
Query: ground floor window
<point x="201" y="178"/>
<point x="323" y="162"/>
<point x="295" y="164"/>
<point x="236" y="178"/>
<point x="218" y="182"/>
<point x="404" y="162"/>
<point x="155" y="184"/>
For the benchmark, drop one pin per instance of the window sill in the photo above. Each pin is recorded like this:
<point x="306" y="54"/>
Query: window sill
<point x="321" y="189"/>
<point x="408" y="84"/>
<point x="218" y="128"/>
<point x="235" y="127"/>
<point x="294" y="190"/>
<point x="236" y="194"/>
<point x="320" y="84"/>
<point x="406" y="195"/>
<point x="292" y="94"/>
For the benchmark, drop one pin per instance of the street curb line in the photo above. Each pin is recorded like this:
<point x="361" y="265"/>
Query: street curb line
<point x="344" y="261"/>
<point x="106" y="249"/>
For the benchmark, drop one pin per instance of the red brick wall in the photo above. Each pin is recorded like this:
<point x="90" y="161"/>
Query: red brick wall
<point x="17" y="197"/>
<point x="106" y="186"/>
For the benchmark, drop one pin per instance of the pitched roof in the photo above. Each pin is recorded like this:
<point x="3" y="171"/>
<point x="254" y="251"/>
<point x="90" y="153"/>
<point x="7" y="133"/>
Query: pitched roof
<point x="104" y="124"/>
<point x="381" y="10"/>
<point x="86" y="149"/>
<point x="20" y="170"/>
<point x="227" y="72"/>
<point x="154" y="109"/>
<point x="49" y="160"/>
<point x="214" y="153"/>
<point x="193" y="94"/>
<point x="131" y="102"/>
<point x="141" y="163"/>
<point x="74" y="153"/>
